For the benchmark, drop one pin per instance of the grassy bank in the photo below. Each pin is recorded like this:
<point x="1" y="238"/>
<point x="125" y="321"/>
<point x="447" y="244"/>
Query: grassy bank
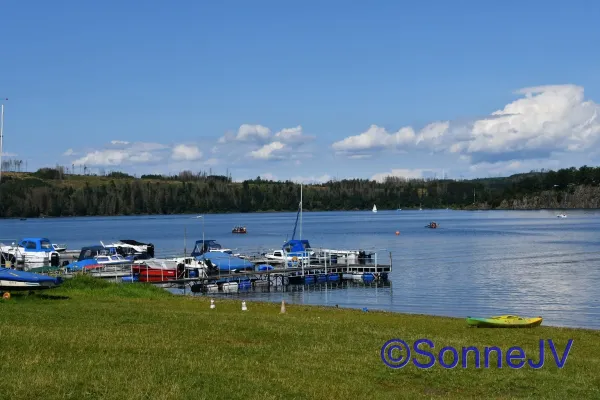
<point x="91" y="339"/>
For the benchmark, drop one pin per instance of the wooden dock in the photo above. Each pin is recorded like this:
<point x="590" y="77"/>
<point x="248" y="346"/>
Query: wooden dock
<point x="303" y="275"/>
<point x="265" y="273"/>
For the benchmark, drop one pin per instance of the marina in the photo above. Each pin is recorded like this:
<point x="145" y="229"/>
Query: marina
<point x="201" y="271"/>
<point x="208" y="268"/>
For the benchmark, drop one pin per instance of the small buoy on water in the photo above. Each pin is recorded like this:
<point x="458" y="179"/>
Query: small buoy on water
<point x="6" y="296"/>
<point x="244" y="308"/>
<point x="282" y="307"/>
<point x="212" y="304"/>
<point x="397" y="233"/>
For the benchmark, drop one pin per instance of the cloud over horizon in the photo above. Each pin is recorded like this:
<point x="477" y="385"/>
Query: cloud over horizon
<point x="257" y="142"/>
<point x="545" y="120"/>
<point x="120" y="153"/>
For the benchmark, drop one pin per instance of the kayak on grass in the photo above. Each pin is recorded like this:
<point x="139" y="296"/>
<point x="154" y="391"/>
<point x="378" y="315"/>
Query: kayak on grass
<point x="504" y="321"/>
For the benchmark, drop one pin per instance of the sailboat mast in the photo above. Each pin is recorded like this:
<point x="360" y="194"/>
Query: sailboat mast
<point x="300" y="211"/>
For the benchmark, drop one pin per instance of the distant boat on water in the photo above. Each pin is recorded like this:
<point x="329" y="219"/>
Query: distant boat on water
<point x="374" y="208"/>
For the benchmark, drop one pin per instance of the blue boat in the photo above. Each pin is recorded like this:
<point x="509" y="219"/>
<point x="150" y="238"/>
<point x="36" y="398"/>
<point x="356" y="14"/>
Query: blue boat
<point x="13" y="280"/>
<point x="218" y="259"/>
<point x="92" y="257"/>
<point x="32" y="250"/>
<point x="265" y="267"/>
<point x="225" y="262"/>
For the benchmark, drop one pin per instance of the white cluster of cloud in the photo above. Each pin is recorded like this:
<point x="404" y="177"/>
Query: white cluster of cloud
<point x="266" y="145"/>
<point x="378" y="138"/>
<point x="121" y="152"/>
<point x="546" y="120"/>
<point x="256" y="142"/>
<point x="183" y="152"/>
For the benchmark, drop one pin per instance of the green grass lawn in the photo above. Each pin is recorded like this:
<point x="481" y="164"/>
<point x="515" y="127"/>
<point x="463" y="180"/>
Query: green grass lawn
<point x="91" y="339"/>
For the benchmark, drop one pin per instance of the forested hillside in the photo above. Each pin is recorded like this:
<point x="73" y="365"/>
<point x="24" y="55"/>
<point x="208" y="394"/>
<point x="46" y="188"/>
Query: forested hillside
<point x="49" y="192"/>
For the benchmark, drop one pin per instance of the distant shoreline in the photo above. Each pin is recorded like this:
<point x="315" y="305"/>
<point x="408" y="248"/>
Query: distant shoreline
<point x="304" y="211"/>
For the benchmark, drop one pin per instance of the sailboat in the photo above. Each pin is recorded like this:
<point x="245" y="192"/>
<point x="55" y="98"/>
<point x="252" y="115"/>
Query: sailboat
<point x="374" y="208"/>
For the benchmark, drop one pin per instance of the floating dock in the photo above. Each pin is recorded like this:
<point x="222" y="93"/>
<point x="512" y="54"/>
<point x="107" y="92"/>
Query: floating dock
<point x="311" y="274"/>
<point x="264" y="274"/>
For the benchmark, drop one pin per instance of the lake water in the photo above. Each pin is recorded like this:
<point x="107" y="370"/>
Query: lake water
<point x="477" y="263"/>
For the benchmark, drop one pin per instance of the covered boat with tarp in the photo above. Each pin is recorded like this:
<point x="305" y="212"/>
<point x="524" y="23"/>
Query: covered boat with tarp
<point x="13" y="280"/>
<point x="217" y="261"/>
<point x="208" y="245"/>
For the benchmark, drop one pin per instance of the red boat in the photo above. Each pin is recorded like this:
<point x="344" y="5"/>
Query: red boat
<point x="149" y="274"/>
<point x="239" y="229"/>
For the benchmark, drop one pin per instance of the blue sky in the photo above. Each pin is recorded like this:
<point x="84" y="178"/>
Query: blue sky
<point x="310" y="91"/>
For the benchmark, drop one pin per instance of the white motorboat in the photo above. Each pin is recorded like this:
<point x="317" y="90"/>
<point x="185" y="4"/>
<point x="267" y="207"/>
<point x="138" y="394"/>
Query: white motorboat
<point x="35" y="250"/>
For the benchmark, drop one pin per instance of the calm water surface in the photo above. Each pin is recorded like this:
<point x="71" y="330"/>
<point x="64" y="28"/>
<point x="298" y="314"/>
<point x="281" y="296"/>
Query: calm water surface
<point x="475" y="264"/>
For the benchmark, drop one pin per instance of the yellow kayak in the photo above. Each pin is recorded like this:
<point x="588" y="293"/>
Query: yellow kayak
<point x="504" y="321"/>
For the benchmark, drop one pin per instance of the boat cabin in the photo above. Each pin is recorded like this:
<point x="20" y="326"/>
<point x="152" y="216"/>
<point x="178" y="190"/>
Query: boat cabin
<point x="36" y="245"/>
<point x="135" y="248"/>
<point x="92" y="252"/>
<point x="205" y="246"/>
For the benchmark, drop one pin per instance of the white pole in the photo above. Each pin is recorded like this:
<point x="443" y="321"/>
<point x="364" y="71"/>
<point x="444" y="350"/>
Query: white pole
<point x="300" y="211"/>
<point x="1" y="136"/>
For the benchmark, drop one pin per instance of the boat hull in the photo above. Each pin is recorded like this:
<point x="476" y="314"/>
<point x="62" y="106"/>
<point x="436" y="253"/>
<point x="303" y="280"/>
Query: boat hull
<point x="154" y="275"/>
<point x="13" y="280"/>
<point x="505" y="321"/>
<point x="11" y="286"/>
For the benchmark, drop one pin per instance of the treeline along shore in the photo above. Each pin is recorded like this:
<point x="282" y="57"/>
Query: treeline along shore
<point x="52" y="193"/>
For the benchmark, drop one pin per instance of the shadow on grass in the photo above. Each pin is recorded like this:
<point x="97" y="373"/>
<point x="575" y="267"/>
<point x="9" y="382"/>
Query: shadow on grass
<point x="46" y="296"/>
<point x="32" y="295"/>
